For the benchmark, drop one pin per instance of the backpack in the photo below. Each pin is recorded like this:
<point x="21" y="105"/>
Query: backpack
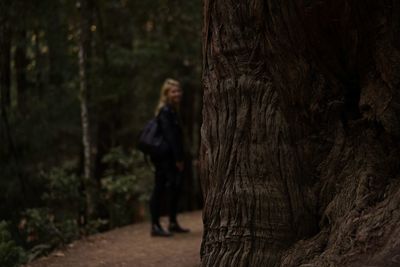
<point x="151" y="140"/>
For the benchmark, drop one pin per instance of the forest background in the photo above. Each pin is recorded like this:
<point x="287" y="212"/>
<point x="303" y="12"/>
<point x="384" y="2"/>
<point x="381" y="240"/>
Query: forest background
<point x="78" y="80"/>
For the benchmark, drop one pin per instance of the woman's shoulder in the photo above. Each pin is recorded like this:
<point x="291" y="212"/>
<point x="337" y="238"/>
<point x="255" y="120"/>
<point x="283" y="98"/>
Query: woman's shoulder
<point x="167" y="109"/>
<point x="164" y="111"/>
<point x="164" y="108"/>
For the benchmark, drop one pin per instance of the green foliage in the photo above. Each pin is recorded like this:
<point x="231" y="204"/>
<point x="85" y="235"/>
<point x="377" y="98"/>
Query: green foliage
<point x="43" y="231"/>
<point x="127" y="180"/>
<point x="10" y="254"/>
<point x="41" y="226"/>
<point x="61" y="187"/>
<point x="56" y="224"/>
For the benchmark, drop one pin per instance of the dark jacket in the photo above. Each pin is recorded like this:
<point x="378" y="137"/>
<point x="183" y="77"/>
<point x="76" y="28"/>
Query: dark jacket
<point x="172" y="132"/>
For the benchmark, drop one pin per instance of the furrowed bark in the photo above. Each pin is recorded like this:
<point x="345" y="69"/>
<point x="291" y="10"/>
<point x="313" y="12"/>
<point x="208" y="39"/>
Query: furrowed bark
<point x="254" y="208"/>
<point x="300" y="125"/>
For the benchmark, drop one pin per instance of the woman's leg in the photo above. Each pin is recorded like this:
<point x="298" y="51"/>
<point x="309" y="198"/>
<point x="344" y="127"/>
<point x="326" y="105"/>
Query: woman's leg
<point x="155" y="200"/>
<point x="175" y="180"/>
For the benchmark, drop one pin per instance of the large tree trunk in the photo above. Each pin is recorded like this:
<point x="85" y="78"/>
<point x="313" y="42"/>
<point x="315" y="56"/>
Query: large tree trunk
<point x="301" y="129"/>
<point x="87" y="132"/>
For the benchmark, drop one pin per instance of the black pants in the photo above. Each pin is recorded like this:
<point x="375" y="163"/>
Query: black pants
<point x="167" y="179"/>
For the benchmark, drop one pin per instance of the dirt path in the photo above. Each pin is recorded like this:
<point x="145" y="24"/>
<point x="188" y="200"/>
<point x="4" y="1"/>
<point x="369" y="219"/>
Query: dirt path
<point x="132" y="246"/>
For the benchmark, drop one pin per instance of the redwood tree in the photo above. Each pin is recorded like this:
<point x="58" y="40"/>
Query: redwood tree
<point x="301" y="131"/>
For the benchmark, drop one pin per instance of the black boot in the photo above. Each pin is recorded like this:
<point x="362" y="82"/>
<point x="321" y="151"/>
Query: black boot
<point x="157" y="230"/>
<point x="174" y="227"/>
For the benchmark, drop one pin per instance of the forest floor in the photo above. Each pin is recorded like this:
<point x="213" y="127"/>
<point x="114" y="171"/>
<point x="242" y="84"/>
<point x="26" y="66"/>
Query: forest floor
<point x="132" y="246"/>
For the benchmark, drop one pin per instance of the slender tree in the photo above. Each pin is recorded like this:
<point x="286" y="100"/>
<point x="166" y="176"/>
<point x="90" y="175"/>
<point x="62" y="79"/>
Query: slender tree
<point x="5" y="55"/>
<point x="21" y="63"/>
<point x="90" y="182"/>
<point x="57" y="43"/>
<point x="301" y="131"/>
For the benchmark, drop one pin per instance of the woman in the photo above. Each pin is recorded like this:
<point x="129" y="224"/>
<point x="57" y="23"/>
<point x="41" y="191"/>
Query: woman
<point x="169" y="165"/>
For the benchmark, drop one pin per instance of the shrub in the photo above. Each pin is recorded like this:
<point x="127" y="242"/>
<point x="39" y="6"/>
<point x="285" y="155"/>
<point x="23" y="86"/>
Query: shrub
<point x="127" y="182"/>
<point x="10" y="254"/>
<point x="43" y="232"/>
<point x="62" y="188"/>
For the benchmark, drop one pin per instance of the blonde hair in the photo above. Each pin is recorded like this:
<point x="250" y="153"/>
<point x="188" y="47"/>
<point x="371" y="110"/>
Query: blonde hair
<point x="168" y="85"/>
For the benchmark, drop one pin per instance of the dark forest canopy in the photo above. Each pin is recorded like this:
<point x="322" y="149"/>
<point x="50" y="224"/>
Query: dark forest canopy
<point x="128" y="48"/>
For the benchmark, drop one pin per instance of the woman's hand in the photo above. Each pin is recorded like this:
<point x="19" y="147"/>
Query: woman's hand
<point x="180" y="165"/>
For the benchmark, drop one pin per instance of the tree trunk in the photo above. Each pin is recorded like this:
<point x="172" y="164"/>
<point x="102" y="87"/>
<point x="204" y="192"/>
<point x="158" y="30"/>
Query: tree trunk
<point x="57" y="33"/>
<point x="84" y="69"/>
<point x="6" y="133"/>
<point x="21" y="63"/>
<point x="5" y="55"/>
<point x="301" y="124"/>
